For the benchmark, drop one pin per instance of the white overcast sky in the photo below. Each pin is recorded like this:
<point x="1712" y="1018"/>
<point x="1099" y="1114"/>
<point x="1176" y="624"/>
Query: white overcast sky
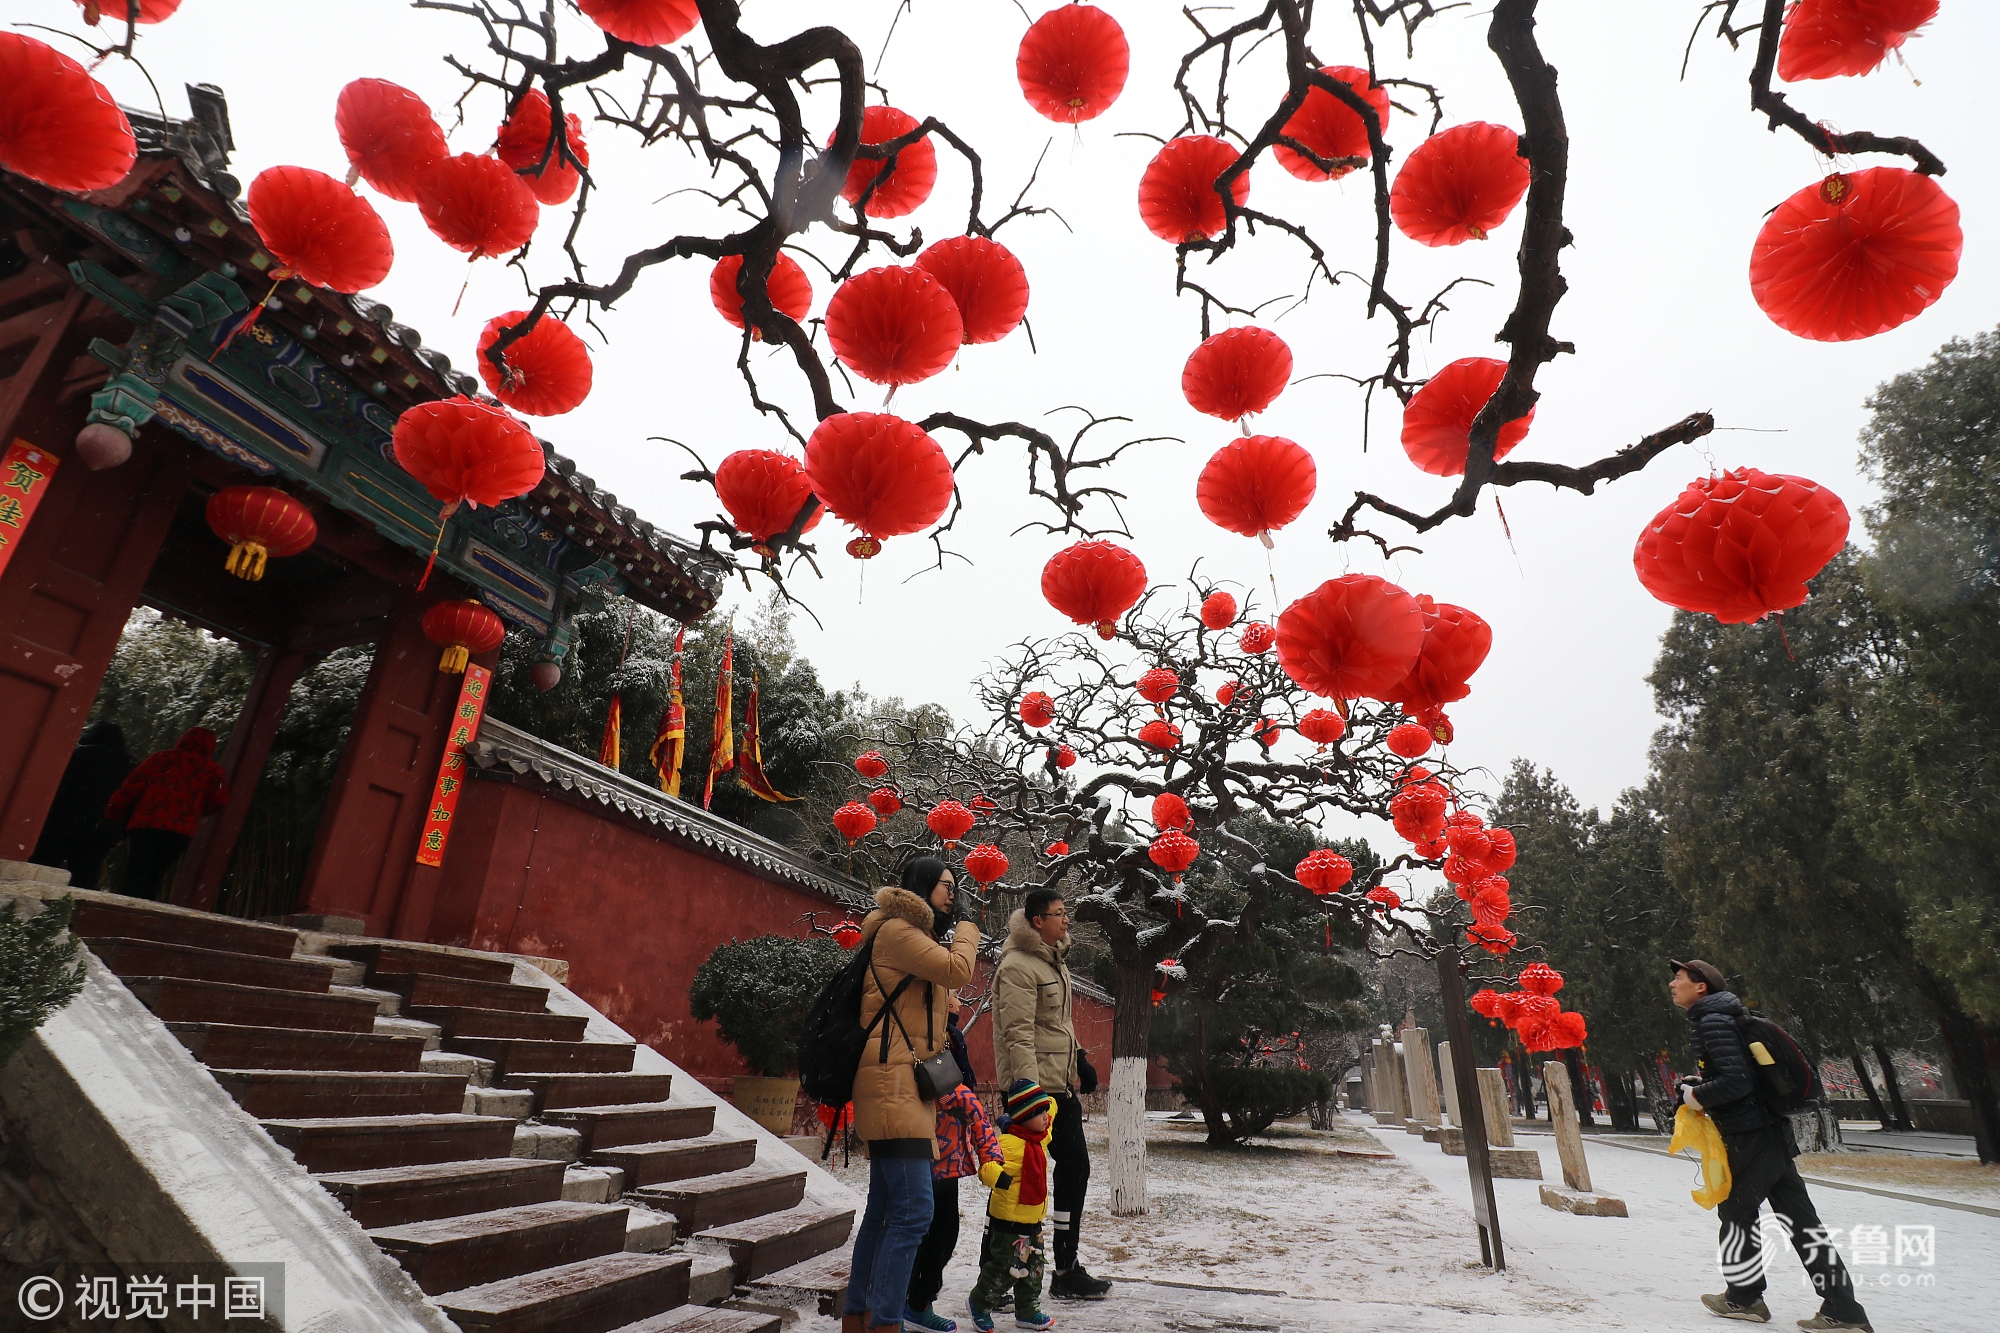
<point x="1670" y="180"/>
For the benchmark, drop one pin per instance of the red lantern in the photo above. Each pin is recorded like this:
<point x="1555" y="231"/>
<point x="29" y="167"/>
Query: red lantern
<point x="950" y="821"/>
<point x="854" y="820"/>
<point x="1236" y="373"/>
<point x="1485" y="1003"/>
<point x="58" y="125"/>
<point x="986" y="283"/>
<point x="1456" y="641"/>
<point x="1073" y="63"/>
<point x="1173" y="852"/>
<point x="524" y="144"/>
<point x="847" y="935"/>
<point x="1177" y="198"/>
<point x="1424" y="849"/>
<point x="1170" y="811"/>
<point x="477" y="206"/>
<point x="1540" y="979"/>
<point x="985" y="863"/>
<point x="1094" y="583"/>
<point x="1325" y="871"/>
<point x="1418" y="809"/>
<point x="1459" y="185"/>
<point x="870" y="764"/>
<point x="390" y="137"/>
<point x="1496" y="940"/>
<point x="1409" y="740"/>
<point x="466" y="452"/>
<point x="905" y="190"/>
<point x="1437" y="424"/>
<point x="323" y="231"/>
<point x="259" y="521"/>
<point x="788" y="287"/>
<point x="1490" y="903"/>
<point x="1322" y="727"/>
<point x="150" y="11"/>
<point x="548" y="369"/>
<point x="1057" y="848"/>
<point x="1331" y="129"/>
<point x="1218" y="610"/>
<point x="879" y="474"/>
<point x="1500" y="850"/>
<point x="982" y="804"/>
<point x="1226" y="692"/>
<point x="1160" y="734"/>
<point x="1856" y="255"/>
<point x="1266" y="734"/>
<point x="886" y="800"/>
<point x="1063" y="755"/>
<point x="1356" y="636"/>
<point x="894" y="325"/>
<point x="643" y="22"/>
<point x="763" y="492"/>
<point x="1257" y="637"/>
<point x="1159" y="685"/>
<point x="1389" y="898"/>
<point x="461" y="628"/>
<point x="1037" y="708"/>
<point x="1825" y="39"/>
<point x="1256" y="485"/>
<point x="1741" y="545"/>
<point x="1566" y="1029"/>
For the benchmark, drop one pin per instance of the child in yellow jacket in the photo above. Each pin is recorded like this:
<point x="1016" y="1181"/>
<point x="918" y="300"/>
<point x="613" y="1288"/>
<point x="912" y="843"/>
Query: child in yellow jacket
<point x="1011" y="1254"/>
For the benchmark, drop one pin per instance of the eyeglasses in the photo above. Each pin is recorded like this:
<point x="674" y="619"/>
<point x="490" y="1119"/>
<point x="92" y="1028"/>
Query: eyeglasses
<point x="1062" y="912"/>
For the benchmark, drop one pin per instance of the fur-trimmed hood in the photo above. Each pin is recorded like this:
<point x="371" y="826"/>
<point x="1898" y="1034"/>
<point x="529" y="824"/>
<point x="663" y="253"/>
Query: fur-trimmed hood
<point x="1024" y="938"/>
<point x="892" y="903"/>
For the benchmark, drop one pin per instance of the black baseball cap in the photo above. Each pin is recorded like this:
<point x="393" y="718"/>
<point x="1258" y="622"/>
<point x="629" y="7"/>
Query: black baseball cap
<point x="1702" y="972"/>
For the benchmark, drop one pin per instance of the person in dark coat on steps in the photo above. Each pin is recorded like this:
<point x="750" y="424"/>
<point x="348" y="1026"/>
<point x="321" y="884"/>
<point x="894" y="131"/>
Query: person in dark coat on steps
<point x="1761" y="1166"/>
<point x="76" y="836"/>
<point x="162" y="803"/>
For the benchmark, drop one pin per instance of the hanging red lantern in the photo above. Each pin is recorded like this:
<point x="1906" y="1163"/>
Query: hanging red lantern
<point x="894" y="325"/>
<point x="1496" y="940"/>
<point x="1437" y="423"/>
<point x="1218" y="610"/>
<point x="1456" y="642"/>
<point x="1418" y="810"/>
<point x="1485" y="1003"/>
<point x="1170" y="811"/>
<point x="1857" y="254"/>
<point x="1063" y="755"/>
<point x="391" y="139"/>
<point x="548" y="369"/>
<point x="1409" y="740"/>
<point x="462" y="629"/>
<point x="879" y="474"/>
<point x="1266" y="734"/>
<point x="150" y="11"/>
<point x="1388" y="898"/>
<point x="985" y="863"/>
<point x="317" y="227"/>
<point x="1540" y="979"/>
<point x="906" y="188"/>
<point x="1226" y="692"/>
<point x="1324" y="871"/>
<point x="1329" y="128"/>
<point x="763" y="492"/>
<point x="1236" y="373"/>
<point x="1356" y="636"/>
<point x="1159" y="684"/>
<point x="1741" y="545"/>
<point x="1177" y="198"/>
<point x="259" y="521"/>
<point x="986" y="282"/>
<point x="950" y="821"/>
<point x="1489" y="900"/>
<point x="477" y="206"/>
<point x="1826" y="39"/>
<point x="1257" y="637"/>
<point x="1322" y="727"/>
<point x="524" y="145"/>
<point x="1073" y="63"/>
<point x="847" y="935"/>
<point x="983" y="805"/>
<point x="886" y="800"/>
<point x="1037" y="709"/>
<point x="1056" y="848"/>
<point x="643" y="22"/>
<point x="1173" y="852"/>
<point x="1424" y="849"/>
<point x="1094" y="583"/>
<point x="465" y="452"/>
<point x="855" y="821"/>
<point x="870" y="764"/>
<point x="1501" y="851"/>
<point x="1160" y="734"/>
<point x="1256" y="485"/>
<point x="1459" y="185"/>
<point x="788" y="287"/>
<point x="1565" y="1030"/>
<point x="58" y="125"/>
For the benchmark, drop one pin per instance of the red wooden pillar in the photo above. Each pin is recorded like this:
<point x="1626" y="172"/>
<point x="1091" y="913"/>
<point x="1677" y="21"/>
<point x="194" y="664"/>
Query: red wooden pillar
<point x="242" y="758"/>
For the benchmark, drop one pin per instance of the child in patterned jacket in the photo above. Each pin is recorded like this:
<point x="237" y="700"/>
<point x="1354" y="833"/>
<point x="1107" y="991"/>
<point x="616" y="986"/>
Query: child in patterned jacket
<point x="966" y="1141"/>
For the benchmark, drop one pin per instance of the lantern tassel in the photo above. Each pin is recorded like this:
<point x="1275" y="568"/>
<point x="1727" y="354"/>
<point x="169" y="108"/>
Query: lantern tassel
<point x="463" y="285"/>
<point x="243" y="326"/>
<point x="454" y="660"/>
<point x="246" y="560"/>
<point x="444" y="517"/>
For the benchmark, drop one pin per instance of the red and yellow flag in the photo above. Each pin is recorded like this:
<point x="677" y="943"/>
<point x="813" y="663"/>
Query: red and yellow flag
<point x="721" y="740"/>
<point x="670" y="744"/>
<point x="750" y="767"/>
<point x="607" y="749"/>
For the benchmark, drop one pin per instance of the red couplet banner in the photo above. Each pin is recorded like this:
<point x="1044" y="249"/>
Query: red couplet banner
<point x="24" y="479"/>
<point x="451" y="771"/>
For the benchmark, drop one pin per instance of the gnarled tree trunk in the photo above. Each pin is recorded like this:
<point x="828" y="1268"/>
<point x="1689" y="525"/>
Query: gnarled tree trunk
<point x="1125" y="1097"/>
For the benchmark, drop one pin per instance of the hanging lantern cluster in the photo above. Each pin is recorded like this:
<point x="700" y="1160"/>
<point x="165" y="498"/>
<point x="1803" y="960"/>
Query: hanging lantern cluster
<point x="763" y="492"/>
<point x="1329" y="128"/>
<point x="1418" y="808"/>
<point x="463" y="629"/>
<point x="1236" y="373"/>
<point x="1256" y="485"/>
<point x="1094" y="583"/>
<point x="548" y="370"/>
<point x="879" y="474"/>
<point x="1533" y="1012"/>
<point x="1742" y="545"/>
<point x="58" y="125"/>
<point x="1177" y="198"/>
<point x="1437" y="423"/>
<point x="1073" y="63"/>
<point x="259" y="522"/>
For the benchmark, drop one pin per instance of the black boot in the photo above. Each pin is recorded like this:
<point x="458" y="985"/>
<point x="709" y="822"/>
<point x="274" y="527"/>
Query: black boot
<point x="1075" y="1284"/>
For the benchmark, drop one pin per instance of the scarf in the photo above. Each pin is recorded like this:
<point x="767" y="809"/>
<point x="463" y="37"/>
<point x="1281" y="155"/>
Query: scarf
<point x="1034" y="1168"/>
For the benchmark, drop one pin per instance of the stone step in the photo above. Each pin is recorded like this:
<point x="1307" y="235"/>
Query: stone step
<point x="96" y="918"/>
<point x="387" y="1003"/>
<point x="513" y="1055"/>
<point x="296" y="1093"/>
<point x="150" y="958"/>
<point x="761" y="1246"/>
<point x="817" y="1282"/>
<point x="554" y="1091"/>
<point x="456" y="1252"/>
<point x="182" y="1000"/>
<point x="359" y="1143"/>
<point x="421" y="988"/>
<point x="458" y="1021"/>
<point x="706" y="1319"/>
<point x="391" y="1196"/>
<point x="706" y="1202"/>
<point x="593" y="1296"/>
<point x="643" y="1122"/>
<point x="403" y="958"/>
<point x="678" y="1159"/>
<point x="249" y="1046"/>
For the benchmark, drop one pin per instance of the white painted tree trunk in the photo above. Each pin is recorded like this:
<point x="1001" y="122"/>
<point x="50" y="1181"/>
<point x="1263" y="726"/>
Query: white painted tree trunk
<point x="1125" y="1117"/>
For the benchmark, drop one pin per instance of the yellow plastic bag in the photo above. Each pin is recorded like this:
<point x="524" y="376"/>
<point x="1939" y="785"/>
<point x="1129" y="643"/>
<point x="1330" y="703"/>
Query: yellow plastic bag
<point x="1694" y="1130"/>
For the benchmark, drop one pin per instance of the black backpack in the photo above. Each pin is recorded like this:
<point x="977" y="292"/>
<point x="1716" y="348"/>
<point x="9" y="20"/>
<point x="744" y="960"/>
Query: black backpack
<point x="1787" y="1083"/>
<point x="831" y="1041"/>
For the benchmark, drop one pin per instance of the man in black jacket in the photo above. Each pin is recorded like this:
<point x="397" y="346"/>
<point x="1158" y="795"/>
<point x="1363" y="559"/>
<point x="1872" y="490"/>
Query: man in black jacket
<point x="1761" y="1150"/>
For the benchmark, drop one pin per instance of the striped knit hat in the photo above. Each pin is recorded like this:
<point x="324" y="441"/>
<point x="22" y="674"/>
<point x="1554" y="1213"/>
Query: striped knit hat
<point x="1025" y="1097"/>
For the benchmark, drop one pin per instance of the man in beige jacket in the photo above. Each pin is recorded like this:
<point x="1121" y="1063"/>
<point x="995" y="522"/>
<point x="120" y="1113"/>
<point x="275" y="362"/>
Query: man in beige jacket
<point x="1034" y="1038"/>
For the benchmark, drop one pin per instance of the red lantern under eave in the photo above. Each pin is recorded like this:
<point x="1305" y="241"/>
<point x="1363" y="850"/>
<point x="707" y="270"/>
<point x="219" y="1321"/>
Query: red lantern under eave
<point x="1356" y="636"/>
<point x="1322" y="727"/>
<point x="391" y="139"/>
<point x="1330" y="128"/>
<point x="1173" y="851"/>
<point x="320" y="229"/>
<point x="763" y="492"/>
<point x="259" y="521"/>
<point x="462" y="629"/>
<point x="854" y="821"/>
<point x="870" y="764"/>
<point x="465" y="452"/>
<point x="848" y="936"/>
<point x="1037" y="709"/>
<point x="1825" y="39"/>
<point x="1177" y="198"/>
<point x="986" y="282"/>
<point x="548" y="368"/>
<point x="1459" y="185"/>
<point x="526" y="144"/>
<point x="894" y="325"/>
<point x="902" y="190"/>
<point x="477" y="205"/>
<point x="58" y="125"/>
<point x="1218" y="610"/>
<point x="950" y="820"/>
<point x="1437" y="423"/>
<point x="788" y="287"/>
<point x="985" y="863"/>
<point x="643" y="22"/>
<point x="1094" y="583"/>
<point x="1857" y="254"/>
<point x="1456" y="642"/>
<point x="1741" y="545"/>
<point x="1236" y="373"/>
<point x="1073" y="63"/>
<point x="877" y="473"/>
<point x="1256" y="485"/>
<point x="886" y="800"/>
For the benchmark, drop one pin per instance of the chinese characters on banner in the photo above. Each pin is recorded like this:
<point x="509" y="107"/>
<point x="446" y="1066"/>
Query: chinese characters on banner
<point x="24" y="477"/>
<point x="451" y="772"/>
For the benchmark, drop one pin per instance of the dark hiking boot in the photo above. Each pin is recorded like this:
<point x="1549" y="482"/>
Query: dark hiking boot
<point x="1824" y="1321"/>
<point x="1076" y="1284"/>
<point x="1756" y="1312"/>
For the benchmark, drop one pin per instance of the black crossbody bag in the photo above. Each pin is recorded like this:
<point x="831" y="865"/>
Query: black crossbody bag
<point x="936" y="1075"/>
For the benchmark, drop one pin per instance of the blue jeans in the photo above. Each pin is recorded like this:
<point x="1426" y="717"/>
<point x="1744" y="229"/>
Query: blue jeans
<point x="885" y="1245"/>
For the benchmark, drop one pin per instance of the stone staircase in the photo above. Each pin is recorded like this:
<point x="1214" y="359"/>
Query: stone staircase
<point x="524" y="1176"/>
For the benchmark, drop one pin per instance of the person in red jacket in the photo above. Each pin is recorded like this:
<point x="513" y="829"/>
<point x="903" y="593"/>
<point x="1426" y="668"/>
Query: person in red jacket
<point x="162" y="802"/>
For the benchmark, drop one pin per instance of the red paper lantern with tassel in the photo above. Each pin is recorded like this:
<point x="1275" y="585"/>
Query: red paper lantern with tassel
<point x="1159" y="684"/>
<point x="1073" y="63"/>
<point x="1856" y="254"/>
<point x="58" y="125"/>
<point x="848" y="936"/>
<point x="1064" y="756"/>
<point x="391" y="139"/>
<point x="477" y="205"/>
<point x="886" y="800"/>
<point x="1037" y="709"/>
<point x="1742" y="545"/>
<point x="1331" y="129"/>
<point x="1437" y="424"/>
<point x="1173" y="851"/>
<point x="320" y="229"/>
<point x="465" y="452"/>
<point x="1256" y="485"/>
<point x="1057" y="848"/>
<point x="985" y="863"/>
<point x="525" y="145"/>
<point x="1177" y="198"/>
<point x="1094" y="583"/>
<point x="894" y="325"/>
<point x="1459" y="185"/>
<point x="1356" y="636"/>
<point x="1257" y="637"/>
<point x="903" y="190"/>
<point x="1456" y="642"/>
<point x="1170" y="811"/>
<point x="1226" y="692"/>
<point x="1388" y="898"/>
<point x="1409" y="740"/>
<point x="1218" y="610"/>
<point x="1236" y="373"/>
<point x="1160" y="734"/>
<point x="986" y="283"/>
<point x="877" y="473"/>
<point x="788" y="287"/>
<point x="1322" y="727"/>
<point x="1540" y="979"/>
<point x="548" y="369"/>
<point x="763" y="492"/>
<point x="950" y="821"/>
<point x="870" y="764"/>
<point x="259" y="521"/>
<point x="855" y="821"/>
<point x="463" y="629"/>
